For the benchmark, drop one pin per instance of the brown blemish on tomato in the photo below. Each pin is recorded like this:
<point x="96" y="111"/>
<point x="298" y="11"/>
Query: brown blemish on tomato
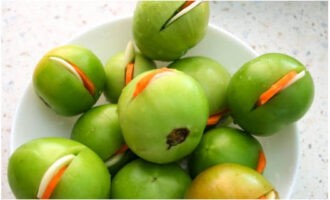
<point x="177" y="136"/>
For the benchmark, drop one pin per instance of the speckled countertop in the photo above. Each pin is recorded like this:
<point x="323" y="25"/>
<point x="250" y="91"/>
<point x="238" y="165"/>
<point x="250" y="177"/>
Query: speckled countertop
<point x="30" y="28"/>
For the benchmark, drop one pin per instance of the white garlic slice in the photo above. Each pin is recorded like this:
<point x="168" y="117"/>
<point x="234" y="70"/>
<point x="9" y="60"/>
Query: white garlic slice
<point x="114" y="159"/>
<point x="68" y="66"/>
<point x="182" y="12"/>
<point x="295" y="79"/>
<point x="129" y="54"/>
<point x="271" y="195"/>
<point x="51" y="171"/>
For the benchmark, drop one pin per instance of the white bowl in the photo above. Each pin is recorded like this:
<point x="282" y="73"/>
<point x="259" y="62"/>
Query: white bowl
<point x="34" y="120"/>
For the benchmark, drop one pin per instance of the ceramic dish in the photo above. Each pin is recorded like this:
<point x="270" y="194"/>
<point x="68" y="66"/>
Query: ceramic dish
<point x="33" y="119"/>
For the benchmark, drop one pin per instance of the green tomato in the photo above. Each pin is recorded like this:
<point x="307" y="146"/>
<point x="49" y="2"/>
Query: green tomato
<point x="115" y="73"/>
<point x="142" y="179"/>
<point x="99" y="130"/>
<point x="230" y="181"/>
<point x="69" y="79"/>
<point x="257" y="76"/>
<point x="160" y="40"/>
<point x="213" y="77"/>
<point x="85" y="177"/>
<point x="165" y="121"/>
<point x="225" y="145"/>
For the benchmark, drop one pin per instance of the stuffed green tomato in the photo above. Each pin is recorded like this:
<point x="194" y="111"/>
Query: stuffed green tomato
<point x="270" y="92"/>
<point x="162" y="114"/>
<point x="69" y="79"/>
<point x="165" y="30"/>
<point x="57" y="168"/>
<point x="121" y="68"/>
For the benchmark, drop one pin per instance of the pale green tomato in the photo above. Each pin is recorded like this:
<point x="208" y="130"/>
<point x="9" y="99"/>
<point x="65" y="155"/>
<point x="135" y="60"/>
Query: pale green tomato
<point x="85" y="177"/>
<point x="213" y="77"/>
<point x="99" y="130"/>
<point x="225" y="145"/>
<point x="115" y="70"/>
<point x="140" y="179"/>
<point x="257" y="76"/>
<point x="69" y="79"/>
<point x="165" y="121"/>
<point x="159" y="40"/>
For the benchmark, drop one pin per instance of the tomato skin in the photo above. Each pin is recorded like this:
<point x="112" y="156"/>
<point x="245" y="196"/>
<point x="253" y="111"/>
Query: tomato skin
<point x="172" y="103"/>
<point x="224" y="145"/>
<point x="115" y="73"/>
<point x="170" y="43"/>
<point x="142" y="179"/>
<point x="99" y="130"/>
<point x="85" y="177"/>
<point x="213" y="77"/>
<point x="254" y="78"/>
<point x="60" y="89"/>
<point x="228" y="181"/>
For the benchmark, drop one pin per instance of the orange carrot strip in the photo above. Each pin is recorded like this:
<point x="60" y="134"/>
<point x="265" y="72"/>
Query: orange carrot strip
<point x="261" y="162"/>
<point x="262" y="197"/>
<point x="87" y="82"/>
<point x="129" y="72"/>
<point x="143" y="83"/>
<point x="186" y="4"/>
<point x="121" y="149"/>
<point x="52" y="184"/>
<point x="215" y="118"/>
<point x="275" y="88"/>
